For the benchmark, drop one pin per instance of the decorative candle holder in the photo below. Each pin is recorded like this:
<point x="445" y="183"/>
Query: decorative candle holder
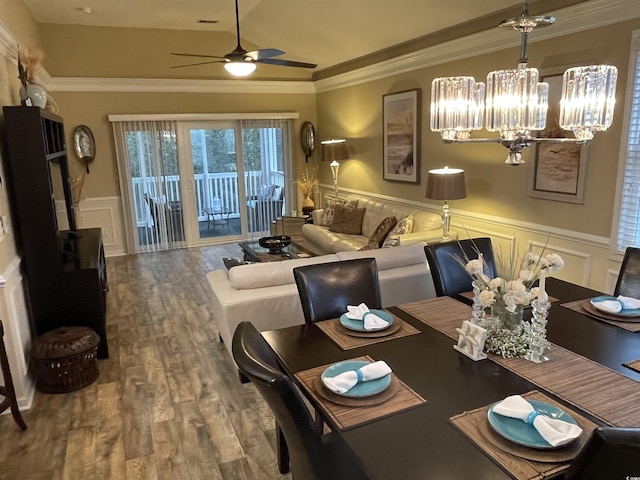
<point x="477" y="313"/>
<point x="539" y="342"/>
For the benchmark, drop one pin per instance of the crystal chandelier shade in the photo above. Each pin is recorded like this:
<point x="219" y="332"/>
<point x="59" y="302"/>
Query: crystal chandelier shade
<point x="588" y="99"/>
<point x="516" y="102"/>
<point x="457" y="106"/>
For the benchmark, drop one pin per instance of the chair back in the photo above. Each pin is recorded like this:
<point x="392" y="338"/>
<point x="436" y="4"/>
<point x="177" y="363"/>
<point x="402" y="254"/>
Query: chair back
<point x="325" y="289"/>
<point x="628" y="283"/>
<point x="609" y="454"/>
<point x="449" y="277"/>
<point x="257" y="361"/>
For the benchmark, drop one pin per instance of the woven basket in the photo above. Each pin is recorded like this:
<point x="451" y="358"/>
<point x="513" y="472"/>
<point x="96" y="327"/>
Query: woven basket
<point x="65" y="359"/>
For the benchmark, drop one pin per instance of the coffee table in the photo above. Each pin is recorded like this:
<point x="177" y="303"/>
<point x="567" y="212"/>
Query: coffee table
<point x="253" y="252"/>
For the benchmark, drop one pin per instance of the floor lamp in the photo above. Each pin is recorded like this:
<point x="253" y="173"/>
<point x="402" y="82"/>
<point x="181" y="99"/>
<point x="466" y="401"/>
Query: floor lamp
<point x="446" y="184"/>
<point x="332" y="151"/>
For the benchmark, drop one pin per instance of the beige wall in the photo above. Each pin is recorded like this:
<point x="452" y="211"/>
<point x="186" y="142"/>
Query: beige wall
<point x="493" y="188"/>
<point x="93" y="108"/>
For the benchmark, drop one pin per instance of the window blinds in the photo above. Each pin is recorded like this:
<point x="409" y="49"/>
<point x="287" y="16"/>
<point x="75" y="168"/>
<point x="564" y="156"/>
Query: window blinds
<point x="629" y="225"/>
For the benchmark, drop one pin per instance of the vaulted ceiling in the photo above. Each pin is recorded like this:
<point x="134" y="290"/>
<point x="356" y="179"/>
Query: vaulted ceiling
<point x="325" y="32"/>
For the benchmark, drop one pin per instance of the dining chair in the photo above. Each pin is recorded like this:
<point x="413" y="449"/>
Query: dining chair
<point x="449" y="277"/>
<point x="609" y="454"/>
<point x="628" y="283"/>
<point x="325" y="289"/>
<point x="312" y="455"/>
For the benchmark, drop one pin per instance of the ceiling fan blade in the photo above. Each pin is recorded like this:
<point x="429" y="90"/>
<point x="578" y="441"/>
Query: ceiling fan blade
<point x="196" y="55"/>
<point x="264" y="53"/>
<point x="200" y="63"/>
<point x="286" y="63"/>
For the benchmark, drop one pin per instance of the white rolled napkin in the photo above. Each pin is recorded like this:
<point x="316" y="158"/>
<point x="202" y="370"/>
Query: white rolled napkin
<point x="608" y="306"/>
<point x="555" y="431"/>
<point x="345" y="381"/>
<point x="629" y="303"/>
<point x="371" y="320"/>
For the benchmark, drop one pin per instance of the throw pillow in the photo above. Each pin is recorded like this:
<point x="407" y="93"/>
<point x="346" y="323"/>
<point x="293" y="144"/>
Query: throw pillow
<point x="403" y="226"/>
<point x="347" y="219"/>
<point x="381" y="231"/>
<point x="329" y="208"/>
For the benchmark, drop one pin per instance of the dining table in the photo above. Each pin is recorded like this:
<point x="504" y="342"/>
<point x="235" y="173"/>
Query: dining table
<point x="435" y="425"/>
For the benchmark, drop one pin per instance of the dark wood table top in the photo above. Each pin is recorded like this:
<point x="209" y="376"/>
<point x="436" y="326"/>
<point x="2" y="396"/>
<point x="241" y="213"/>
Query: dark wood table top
<point x="421" y="443"/>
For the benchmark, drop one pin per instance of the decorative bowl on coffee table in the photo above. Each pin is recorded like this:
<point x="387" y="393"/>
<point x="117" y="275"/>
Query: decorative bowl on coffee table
<point x="276" y="243"/>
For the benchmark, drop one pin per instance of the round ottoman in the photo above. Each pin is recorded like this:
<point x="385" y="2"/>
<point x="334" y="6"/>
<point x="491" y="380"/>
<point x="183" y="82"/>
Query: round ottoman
<point x="65" y="359"/>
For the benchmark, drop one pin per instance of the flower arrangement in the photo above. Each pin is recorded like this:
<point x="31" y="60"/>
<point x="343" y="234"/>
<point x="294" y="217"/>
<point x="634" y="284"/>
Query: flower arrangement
<point x="514" y="288"/>
<point x="28" y="65"/>
<point x="508" y="294"/>
<point x="307" y="183"/>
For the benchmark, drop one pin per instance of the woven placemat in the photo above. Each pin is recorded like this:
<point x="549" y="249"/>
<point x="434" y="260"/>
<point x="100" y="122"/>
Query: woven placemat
<point x="584" y="307"/>
<point x="521" y="462"/>
<point x="595" y="389"/>
<point x="346" y="340"/>
<point x="635" y="365"/>
<point x="345" y="416"/>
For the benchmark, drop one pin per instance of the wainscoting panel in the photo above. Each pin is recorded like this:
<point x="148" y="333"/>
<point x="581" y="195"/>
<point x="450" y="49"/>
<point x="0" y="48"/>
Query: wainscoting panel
<point x="17" y="333"/>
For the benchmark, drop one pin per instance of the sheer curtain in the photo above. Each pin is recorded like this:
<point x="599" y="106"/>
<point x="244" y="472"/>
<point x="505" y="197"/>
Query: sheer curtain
<point x="267" y="162"/>
<point x="150" y="184"/>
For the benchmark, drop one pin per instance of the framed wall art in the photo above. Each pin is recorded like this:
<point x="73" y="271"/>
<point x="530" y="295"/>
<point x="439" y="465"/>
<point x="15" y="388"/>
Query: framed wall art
<point x="401" y="136"/>
<point x="559" y="170"/>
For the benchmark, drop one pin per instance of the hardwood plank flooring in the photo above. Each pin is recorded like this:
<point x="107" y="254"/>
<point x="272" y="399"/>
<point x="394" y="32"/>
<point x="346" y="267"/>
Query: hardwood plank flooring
<point x="167" y="405"/>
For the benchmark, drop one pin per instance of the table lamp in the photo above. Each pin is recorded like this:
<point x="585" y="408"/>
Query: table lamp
<point x="446" y="184"/>
<point x="332" y="151"/>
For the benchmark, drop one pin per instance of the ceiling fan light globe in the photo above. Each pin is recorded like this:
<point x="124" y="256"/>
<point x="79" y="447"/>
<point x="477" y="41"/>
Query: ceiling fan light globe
<point x="240" y="69"/>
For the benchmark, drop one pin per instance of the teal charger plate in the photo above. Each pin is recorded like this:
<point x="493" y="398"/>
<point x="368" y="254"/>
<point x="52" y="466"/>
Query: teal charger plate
<point x="362" y="389"/>
<point x="358" y="325"/>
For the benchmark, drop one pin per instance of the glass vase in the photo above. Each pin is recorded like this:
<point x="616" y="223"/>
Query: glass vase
<point x="507" y="320"/>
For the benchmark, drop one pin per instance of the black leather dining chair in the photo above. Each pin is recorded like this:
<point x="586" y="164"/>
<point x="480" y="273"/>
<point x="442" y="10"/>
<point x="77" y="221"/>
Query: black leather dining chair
<point x="609" y="454"/>
<point x="449" y="277"/>
<point x="628" y="283"/>
<point x="312" y="455"/>
<point x="325" y="289"/>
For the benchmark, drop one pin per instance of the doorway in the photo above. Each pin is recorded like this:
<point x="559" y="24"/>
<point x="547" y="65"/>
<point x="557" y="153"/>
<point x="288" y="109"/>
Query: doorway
<point x="193" y="183"/>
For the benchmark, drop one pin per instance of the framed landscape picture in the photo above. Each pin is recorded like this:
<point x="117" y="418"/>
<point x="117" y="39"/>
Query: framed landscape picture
<point x="559" y="170"/>
<point x="401" y="136"/>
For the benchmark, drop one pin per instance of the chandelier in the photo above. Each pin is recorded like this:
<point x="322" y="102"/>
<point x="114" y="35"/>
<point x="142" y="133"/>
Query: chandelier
<point x="514" y="103"/>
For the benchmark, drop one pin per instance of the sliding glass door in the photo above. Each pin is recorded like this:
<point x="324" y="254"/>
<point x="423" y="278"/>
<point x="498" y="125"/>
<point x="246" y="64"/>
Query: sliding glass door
<point x="191" y="183"/>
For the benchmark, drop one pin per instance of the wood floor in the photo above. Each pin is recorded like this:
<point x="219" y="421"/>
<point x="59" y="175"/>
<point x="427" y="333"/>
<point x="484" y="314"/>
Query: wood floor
<point x="167" y="405"/>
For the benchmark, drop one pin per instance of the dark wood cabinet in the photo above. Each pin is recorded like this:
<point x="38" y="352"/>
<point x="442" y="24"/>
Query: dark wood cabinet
<point x="65" y="269"/>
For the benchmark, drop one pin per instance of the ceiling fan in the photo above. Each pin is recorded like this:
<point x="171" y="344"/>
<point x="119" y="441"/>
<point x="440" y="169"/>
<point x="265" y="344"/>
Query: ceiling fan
<point x="241" y="63"/>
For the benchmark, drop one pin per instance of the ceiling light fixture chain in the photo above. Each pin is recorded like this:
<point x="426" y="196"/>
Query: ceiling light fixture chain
<point x="514" y="103"/>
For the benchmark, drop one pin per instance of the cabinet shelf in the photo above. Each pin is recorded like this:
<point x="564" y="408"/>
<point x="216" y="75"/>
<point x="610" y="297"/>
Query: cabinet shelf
<point x="65" y="271"/>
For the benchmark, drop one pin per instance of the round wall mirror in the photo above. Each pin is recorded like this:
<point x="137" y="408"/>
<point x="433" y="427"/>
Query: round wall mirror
<point x="85" y="144"/>
<point x="308" y="139"/>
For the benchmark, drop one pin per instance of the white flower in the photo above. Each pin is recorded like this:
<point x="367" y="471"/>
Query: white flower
<point x="487" y="298"/>
<point x="474" y="267"/>
<point x="531" y="258"/>
<point x="526" y="275"/>
<point x="554" y="262"/>
<point x="495" y="284"/>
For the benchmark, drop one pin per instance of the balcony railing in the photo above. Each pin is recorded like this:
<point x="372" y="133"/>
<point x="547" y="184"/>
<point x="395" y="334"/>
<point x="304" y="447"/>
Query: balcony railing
<point x="209" y="186"/>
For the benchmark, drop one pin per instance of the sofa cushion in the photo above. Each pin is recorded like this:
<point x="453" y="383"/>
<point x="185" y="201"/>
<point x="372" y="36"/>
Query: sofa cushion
<point x="387" y="258"/>
<point x="329" y="208"/>
<point x="404" y="226"/>
<point x="347" y="219"/>
<point x="269" y="274"/>
<point x="380" y="233"/>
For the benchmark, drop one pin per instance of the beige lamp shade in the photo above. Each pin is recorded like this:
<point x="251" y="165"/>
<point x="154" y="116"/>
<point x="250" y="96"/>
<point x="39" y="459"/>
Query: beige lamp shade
<point x="446" y="184"/>
<point x="331" y="150"/>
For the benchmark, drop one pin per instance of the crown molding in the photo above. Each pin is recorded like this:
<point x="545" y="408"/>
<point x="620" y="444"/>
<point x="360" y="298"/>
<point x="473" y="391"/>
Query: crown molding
<point x="79" y="84"/>
<point x="584" y="16"/>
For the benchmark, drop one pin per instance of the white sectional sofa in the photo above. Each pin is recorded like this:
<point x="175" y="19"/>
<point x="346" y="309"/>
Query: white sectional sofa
<point x="319" y="239"/>
<point x="266" y="293"/>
